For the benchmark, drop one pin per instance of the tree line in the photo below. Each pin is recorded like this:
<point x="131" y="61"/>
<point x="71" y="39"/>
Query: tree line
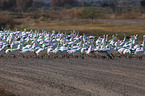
<point x="23" y="5"/>
<point x="15" y="4"/>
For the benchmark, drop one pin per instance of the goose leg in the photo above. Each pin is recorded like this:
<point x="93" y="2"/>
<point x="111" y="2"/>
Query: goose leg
<point x="109" y="55"/>
<point x="140" y="57"/>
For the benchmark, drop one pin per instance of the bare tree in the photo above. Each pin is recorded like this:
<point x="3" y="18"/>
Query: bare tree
<point x="23" y="5"/>
<point x="113" y="4"/>
<point x="110" y="3"/>
<point x="143" y="5"/>
<point x="7" y="4"/>
<point x="60" y="3"/>
<point x="38" y="4"/>
<point x="0" y="4"/>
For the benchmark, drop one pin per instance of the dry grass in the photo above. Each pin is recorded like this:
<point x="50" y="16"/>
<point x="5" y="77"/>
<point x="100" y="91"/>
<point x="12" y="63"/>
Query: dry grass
<point x="7" y="22"/>
<point x="84" y="26"/>
<point x="130" y="15"/>
<point x="86" y="12"/>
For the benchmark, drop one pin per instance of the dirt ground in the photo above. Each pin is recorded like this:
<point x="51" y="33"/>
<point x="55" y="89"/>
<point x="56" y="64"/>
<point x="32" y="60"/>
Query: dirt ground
<point x="73" y="76"/>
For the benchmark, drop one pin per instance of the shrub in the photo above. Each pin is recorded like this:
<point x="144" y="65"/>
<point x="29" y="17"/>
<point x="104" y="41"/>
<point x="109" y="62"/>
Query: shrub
<point x="7" y="4"/>
<point x="7" y="22"/>
<point x="62" y="3"/>
<point x="129" y="15"/>
<point x="35" y="14"/>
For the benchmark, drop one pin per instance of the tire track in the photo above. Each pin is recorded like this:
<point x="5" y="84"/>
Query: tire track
<point x="74" y="77"/>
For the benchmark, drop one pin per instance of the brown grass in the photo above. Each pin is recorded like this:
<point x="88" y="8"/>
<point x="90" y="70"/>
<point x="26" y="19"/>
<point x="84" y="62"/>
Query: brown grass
<point x="130" y="15"/>
<point x="34" y="20"/>
<point x="85" y="13"/>
<point x="7" y="22"/>
<point x="89" y="27"/>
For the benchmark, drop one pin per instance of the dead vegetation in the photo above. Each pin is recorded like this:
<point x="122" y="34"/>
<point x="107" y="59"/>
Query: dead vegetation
<point x="8" y="22"/>
<point x="89" y="27"/>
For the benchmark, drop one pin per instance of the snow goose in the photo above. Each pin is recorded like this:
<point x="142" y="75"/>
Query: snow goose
<point x="76" y="52"/>
<point x="41" y="52"/>
<point x="141" y="50"/>
<point x="26" y="53"/>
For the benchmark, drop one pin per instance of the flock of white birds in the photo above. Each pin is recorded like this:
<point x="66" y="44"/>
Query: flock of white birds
<point x="57" y="44"/>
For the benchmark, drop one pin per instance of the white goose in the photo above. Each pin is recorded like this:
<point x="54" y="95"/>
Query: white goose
<point x="2" y="50"/>
<point x="76" y="52"/>
<point x="26" y="53"/>
<point x="140" y="51"/>
<point x="13" y="52"/>
<point x="41" y="52"/>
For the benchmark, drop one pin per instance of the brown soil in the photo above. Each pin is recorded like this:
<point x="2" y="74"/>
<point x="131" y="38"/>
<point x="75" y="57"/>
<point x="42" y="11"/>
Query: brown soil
<point x="73" y="76"/>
